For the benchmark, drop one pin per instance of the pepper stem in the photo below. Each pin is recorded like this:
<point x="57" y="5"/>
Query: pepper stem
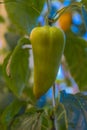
<point x="49" y="6"/>
<point x="54" y="107"/>
<point x="48" y="11"/>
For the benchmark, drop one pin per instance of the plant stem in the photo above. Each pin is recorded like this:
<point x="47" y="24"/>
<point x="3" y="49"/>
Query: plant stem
<point x="48" y="11"/>
<point x="49" y="6"/>
<point x="54" y="103"/>
<point x="54" y="108"/>
<point x="57" y="15"/>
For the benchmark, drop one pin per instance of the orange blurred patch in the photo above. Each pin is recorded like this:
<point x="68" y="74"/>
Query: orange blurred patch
<point x="65" y="21"/>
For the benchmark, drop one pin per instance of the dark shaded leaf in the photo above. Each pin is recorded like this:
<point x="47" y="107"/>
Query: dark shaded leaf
<point x="11" y="111"/>
<point x="84" y="13"/>
<point x="16" y="68"/>
<point x="24" y="13"/>
<point x="76" y="110"/>
<point x="6" y="97"/>
<point x="76" y="57"/>
<point x="1" y="77"/>
<point x="33" y="120"/>
<point x="11" y="39"/>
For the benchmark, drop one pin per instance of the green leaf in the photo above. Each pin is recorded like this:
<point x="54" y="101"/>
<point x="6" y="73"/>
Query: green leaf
<point x="1" y="127"/>
<point x="16" y="68"/>
<point x="28" y="91"/>
<point x="61" y="117"/>
<point x="11" y="39"/>
<point x="76" y="110"/>
<point x="1" y="73"/>
<point x="1" y="19"/>
<point x="76" y="57"/>
<point x="84" y="2"/>
<point x="33" y="120"/>
<point x="11" y="111"/>
<point x="24" y="13"/>
<point x="5" y="99"/>
<point x="1" y="77"/>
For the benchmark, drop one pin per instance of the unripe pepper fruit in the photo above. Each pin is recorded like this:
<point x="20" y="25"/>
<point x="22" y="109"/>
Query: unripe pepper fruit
<point x="47" y="45"/>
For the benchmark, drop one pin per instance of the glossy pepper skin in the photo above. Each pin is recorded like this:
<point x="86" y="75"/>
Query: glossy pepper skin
<point x="47" y="45"/>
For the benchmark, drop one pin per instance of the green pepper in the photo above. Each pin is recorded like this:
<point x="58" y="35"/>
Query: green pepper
<point x="48" y="46"/>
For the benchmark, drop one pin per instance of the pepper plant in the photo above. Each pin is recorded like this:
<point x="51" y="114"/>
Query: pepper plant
<point x="33" y="31"/>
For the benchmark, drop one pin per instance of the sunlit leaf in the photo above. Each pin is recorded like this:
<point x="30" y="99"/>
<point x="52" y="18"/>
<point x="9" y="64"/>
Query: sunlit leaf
<point x="16" y="67"/>
<point x="24" y="13"/>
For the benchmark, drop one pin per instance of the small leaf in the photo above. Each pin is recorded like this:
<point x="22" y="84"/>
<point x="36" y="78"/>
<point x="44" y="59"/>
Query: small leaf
<point x="76" y="56"/>
<point x="24" y="13"/>
<point x="16" y="68"/>
<point x="11" y="111"/>
<point x="76" y="110"/>
<point x="35" y="120"/>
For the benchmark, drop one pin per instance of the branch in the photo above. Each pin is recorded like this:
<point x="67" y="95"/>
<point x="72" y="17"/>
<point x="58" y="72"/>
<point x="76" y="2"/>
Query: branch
<point x="54" y="108"/>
